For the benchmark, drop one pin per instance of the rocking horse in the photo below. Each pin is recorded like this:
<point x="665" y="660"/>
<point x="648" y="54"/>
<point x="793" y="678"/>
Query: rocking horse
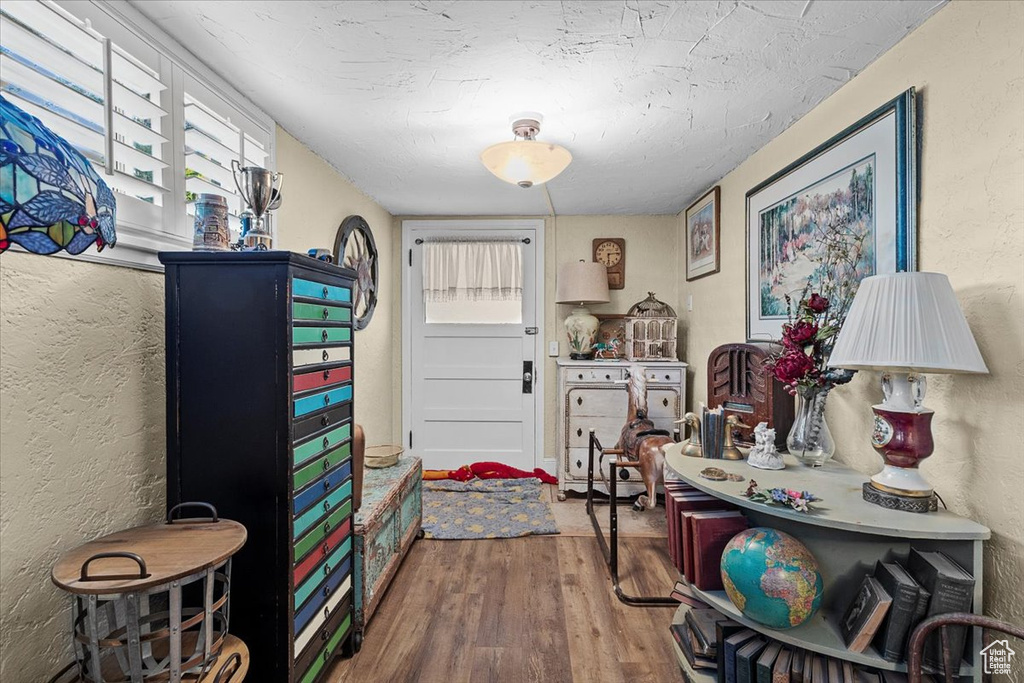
<point x="640" y="447"/>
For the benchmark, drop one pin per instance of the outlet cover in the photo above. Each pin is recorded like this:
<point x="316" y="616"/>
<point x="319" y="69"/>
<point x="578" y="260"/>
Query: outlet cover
<point x="553" y="349"/>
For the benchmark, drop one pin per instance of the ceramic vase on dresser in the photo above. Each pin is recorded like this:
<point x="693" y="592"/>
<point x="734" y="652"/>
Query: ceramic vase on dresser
<point x="593" y="395"/>
<point x="260" y="376"/>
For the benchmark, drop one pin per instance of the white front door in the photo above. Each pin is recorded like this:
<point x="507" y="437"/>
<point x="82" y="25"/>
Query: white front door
<point x="471" y="380"/>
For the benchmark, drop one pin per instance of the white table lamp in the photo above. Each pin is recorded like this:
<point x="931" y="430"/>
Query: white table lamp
<point x="905" y="325"/>
<point x="581" y="283"/>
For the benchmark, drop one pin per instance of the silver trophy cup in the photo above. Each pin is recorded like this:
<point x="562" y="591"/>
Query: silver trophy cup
<point x="259" y="188"/>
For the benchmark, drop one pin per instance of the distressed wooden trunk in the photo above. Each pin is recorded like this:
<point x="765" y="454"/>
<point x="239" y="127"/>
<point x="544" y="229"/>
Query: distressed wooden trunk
<point x="385" y="527"/>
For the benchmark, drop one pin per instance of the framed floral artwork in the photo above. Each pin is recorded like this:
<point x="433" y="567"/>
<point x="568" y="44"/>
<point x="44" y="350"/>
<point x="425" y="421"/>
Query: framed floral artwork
<point x="856" y="192"/>
<point x="702" y="235"/>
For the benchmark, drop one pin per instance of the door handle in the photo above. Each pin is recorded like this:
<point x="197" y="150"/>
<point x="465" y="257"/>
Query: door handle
<point x="527" y="376"/>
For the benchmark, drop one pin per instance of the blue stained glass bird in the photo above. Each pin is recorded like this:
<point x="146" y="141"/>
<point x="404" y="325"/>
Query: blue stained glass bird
<point x="51" y="198"/>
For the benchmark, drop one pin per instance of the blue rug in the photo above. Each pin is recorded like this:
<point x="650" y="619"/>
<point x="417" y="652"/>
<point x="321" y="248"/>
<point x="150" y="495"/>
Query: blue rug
<point x="485" y="508"/>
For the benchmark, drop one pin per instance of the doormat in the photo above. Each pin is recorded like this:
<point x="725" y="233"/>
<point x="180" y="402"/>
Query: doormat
<point x="485" y="508"/>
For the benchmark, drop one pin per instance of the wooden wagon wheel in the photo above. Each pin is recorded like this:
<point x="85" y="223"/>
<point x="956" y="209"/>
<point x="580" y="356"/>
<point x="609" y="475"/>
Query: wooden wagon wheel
<point x="355" y="248"/>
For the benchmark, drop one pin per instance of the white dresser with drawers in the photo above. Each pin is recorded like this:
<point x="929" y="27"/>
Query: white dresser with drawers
<point x="593" y="395"/>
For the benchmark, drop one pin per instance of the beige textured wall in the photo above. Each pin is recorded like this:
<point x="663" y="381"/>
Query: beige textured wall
<point x="317" y="200"/>
<point x="650" y="266"/>
<point x="81" y="433"/>
<point x="967" y="63"/>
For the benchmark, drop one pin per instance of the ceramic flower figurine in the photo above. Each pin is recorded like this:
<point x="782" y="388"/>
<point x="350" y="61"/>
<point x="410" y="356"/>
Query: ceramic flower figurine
<point x="764" y="455"/>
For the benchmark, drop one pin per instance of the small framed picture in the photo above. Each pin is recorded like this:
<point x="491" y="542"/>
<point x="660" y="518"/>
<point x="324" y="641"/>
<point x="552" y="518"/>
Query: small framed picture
<point x="702" y="235"/>
<point x="611" y="336"/>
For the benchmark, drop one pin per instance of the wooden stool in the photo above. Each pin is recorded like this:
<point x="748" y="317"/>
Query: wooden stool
<point x="152" y="602"/>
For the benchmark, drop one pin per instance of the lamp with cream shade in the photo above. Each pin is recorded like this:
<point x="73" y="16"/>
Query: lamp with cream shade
<point x="581" y="283"/>
<point x="905" y="325"/>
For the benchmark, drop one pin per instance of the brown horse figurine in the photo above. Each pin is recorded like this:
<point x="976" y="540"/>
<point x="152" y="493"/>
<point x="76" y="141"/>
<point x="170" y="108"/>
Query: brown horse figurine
<point x="641" y="442"/>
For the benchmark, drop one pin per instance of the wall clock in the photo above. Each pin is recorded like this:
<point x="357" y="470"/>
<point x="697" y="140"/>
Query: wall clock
<point x="354" y="248"/>
<point x="611" y="251"/>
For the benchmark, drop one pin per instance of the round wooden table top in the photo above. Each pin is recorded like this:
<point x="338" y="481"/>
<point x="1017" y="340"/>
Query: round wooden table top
<point x="169" y="551"/>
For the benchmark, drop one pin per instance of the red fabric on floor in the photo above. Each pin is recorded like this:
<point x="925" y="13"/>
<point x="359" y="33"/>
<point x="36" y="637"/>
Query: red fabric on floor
<point x="488" y="470"/>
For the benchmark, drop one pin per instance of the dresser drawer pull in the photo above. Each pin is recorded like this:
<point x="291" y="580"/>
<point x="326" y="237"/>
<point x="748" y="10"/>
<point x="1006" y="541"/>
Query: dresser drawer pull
<point x="664" y="402"/>
<point x="327" y="399"/>
<point x="327" y="506"/>
<point x="323" y="635"/>
<point x="327" y="484"/>
<point x="326" y="313"/>
<point x="579" y="432"/>
<point x="327" y="548"/>
<point x="668" y="377"/>
<point x="327" y="527"/>
<point x="579" y="400"/>
<point x="325" y="292"/>
<point x="327" y="569"/>
<point x="324" y="421"/>
<point x="579" y="464"/>
<point x="327" y="442"/>
<point x="327" y="612"/>
<point x="327" y="464"/>
<point x="323" y="335"/>
<point x="325" y="355"/>
<point x="327" y="591"/>
<point x="327" y="655"/>
<point x="607" y="376"/>
<point x="327" y="374"/>
<point x="581" y="375"/>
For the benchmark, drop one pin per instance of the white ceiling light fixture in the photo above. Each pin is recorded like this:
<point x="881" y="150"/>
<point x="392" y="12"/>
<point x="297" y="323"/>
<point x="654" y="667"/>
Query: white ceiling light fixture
<point x="526" y="161"/>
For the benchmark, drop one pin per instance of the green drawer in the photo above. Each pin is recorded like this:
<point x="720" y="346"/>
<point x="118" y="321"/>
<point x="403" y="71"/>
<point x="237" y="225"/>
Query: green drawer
<point x="319" y="444"/>
<point x="301" y="311"/>
<point x="318" y="532"/>
<point x="325" y="654"/>
<point x="320" y="335"/>
<point x="313" y="470"/>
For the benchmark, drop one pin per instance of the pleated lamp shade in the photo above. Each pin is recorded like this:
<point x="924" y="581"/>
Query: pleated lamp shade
<point x="581" y="283"/>
<point x="907" y="322"/>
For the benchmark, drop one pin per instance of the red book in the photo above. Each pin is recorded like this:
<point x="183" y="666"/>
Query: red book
<point x="672" y="488"/>
<point x="711" y="531"/>
<point x="687" y="507"/>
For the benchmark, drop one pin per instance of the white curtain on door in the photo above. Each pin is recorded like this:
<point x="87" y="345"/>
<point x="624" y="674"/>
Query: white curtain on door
<point x="472" y="271"/>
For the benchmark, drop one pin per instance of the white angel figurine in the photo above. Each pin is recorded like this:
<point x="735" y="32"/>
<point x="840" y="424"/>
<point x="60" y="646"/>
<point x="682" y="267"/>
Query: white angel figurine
<point x="764" y="455"/>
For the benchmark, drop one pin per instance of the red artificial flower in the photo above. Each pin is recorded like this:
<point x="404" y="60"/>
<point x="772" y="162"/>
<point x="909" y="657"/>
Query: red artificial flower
<point x="793" y="367"/>
<point x="799" y="333"/>
<point x="816" y="304"/>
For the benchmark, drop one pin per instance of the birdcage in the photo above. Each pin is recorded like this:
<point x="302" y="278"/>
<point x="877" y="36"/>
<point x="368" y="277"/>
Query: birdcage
<point x="651" y="331"/>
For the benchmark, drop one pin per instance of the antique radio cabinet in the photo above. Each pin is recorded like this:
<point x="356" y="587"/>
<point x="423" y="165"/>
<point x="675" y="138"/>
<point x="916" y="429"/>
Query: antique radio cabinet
<point x="260" y="376"/>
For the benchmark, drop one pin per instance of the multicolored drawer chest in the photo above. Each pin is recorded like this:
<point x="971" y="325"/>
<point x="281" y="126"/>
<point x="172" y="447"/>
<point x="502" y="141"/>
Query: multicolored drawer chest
<point x="387" y="523"/>
<point x="260" y="374"/>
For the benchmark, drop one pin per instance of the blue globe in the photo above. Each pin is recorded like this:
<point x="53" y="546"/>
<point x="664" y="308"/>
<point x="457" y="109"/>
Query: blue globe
<point x="771" y="577"/>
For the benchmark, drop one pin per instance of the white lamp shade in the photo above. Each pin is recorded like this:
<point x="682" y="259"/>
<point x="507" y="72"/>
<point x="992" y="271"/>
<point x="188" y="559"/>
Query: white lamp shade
<point x="907" y="322"/>
<point x="525" y="162"/>
<point x="582" y="283"/>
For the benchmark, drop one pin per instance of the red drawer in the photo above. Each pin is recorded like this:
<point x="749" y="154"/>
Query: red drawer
<point x="321" y="378"/>
<point x="302" y="569"/>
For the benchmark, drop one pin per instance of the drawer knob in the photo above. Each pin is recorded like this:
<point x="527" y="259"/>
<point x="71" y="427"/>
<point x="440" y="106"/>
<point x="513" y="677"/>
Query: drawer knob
<point x="327" y="399"/>
<point x="664" y="402"/>
<point x="327" y="655"/>
<point x="327" y="569"/>
<point x="323" y="635"/>
<point x="581" y="375"/>
<point x="327" y="527"/>
<point x="325" y="292"/>
<point x="327" y="442"/>
<point x="668" y="376"/>
<point x="327" y="506"/>
<point x="327" y="374"/>
<point x="579" y="464"/>
<point x="579" y="432"/>
<point x="327" y="591"/>
<point x="327" y="464"/>
<point x="326" y="313"/>
<point x="325" y="355"/>
<point x="327" y="484"/>
<point x="327" y="612"/>
<point x="323" y="335"/>
<point x="327" y="548"/>
<point x="324" y="421"/>
<point x="579" y="400"/>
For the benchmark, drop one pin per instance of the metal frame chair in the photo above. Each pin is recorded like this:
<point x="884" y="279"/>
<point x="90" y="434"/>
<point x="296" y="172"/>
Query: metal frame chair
<point x="610" y="548"/>
<point x="915" y="648"/>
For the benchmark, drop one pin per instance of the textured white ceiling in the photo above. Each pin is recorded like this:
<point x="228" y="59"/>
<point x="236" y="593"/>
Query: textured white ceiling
<point x="655" y="100"/>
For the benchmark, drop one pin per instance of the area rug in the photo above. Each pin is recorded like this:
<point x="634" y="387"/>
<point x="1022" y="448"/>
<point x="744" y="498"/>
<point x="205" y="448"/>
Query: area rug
<point x="485" y="508"/>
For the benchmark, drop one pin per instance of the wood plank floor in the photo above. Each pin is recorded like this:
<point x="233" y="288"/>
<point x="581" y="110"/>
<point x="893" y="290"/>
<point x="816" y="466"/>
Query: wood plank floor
<point x="527" y="609"/>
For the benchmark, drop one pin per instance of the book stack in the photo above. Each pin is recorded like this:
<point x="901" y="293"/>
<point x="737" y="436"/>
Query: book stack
<point x="712" y="432"/>
<point x="699" y="527"/>
<point x="697" y="637"/>
<point x="893" y="600"/>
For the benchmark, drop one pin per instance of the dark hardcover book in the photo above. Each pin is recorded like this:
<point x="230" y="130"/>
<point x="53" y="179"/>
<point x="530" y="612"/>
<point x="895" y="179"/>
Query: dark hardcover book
<point x="796" y="668"/>
<point x="702" y="625"/>
<point x="952" y="590"/>
<point x="864" y="615"/>
<point x="711" y="532"/>
<point x="746" y="660"/>
<point x="684" y="594"/>
<point x="808" y="666"/>
<point x="848" y="672"/>
<point x="671" y="518"/>
<point x="724" y="629"/>
<point x="766" y="662"/>
<point x="732" y="644"/>
<point x="891" y="638"/>
<point x="819" y="670"/>
<point x="681" y="634"/>
<point x="783" y="666"/>
<point x="835" y="670"/>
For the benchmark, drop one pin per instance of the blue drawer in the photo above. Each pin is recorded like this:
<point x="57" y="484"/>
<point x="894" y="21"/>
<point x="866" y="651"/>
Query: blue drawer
<point x="322" y="400"/>
<point x="321" y="487"/>
<point x="318" y="290"/>
<point x="303" y="616"/>
<point x="322" y="507"/>
<point x="312" y="582"/>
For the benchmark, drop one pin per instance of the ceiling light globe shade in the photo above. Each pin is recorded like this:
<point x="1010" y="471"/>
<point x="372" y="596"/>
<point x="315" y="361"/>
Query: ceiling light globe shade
<point x="526" y="162"/>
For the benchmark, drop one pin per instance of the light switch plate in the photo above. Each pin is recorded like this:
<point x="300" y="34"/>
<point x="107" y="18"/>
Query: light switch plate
<point x="553" y="349"/>
<point x="689" y="302"/>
